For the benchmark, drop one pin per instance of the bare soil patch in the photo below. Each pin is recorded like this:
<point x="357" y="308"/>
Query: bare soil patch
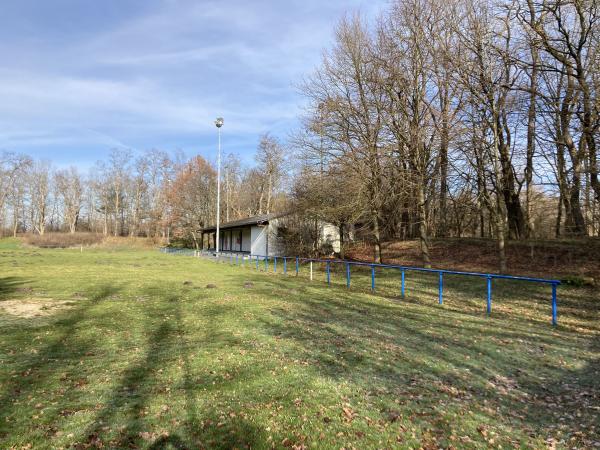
<point x="34" y="307"/>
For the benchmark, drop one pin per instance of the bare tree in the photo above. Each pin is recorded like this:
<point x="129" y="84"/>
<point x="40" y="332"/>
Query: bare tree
<point x="13" y="168"/>
<point x="119" y="160"/>
<point x="69" y="186"/>
<point x="349" y="104"/>
<point x="270" y="159"/>
<point x="39" y="192"/>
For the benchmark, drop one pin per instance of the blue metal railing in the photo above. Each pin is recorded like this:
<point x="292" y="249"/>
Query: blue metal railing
<point x="403" y="269"/>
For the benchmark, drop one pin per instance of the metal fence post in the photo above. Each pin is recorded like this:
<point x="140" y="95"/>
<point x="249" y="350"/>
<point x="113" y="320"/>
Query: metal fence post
<point x="554" y="306"/>
<point x="402" y="284"/>
<point x="221" y="257"/>
<point x="489" y="295"/>
<point x="372" y="278"/>
<point x="347" y="275"/>
<point x="441" y="289"/>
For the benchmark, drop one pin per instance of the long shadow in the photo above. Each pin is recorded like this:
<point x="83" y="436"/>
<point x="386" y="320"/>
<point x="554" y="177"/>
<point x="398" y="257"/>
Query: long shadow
<point x="58" y="356"/>
<point x="516" y="300"/>
<point x="9" y="286"/>
<point x="502" y="369"/>
<point x="569" y="402"/>
<point x="167" y="347"/>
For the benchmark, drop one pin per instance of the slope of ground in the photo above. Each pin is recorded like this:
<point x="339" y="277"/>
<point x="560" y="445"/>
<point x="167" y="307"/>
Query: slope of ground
<point x="147" y="356"/>
<point x="551" y="259"/>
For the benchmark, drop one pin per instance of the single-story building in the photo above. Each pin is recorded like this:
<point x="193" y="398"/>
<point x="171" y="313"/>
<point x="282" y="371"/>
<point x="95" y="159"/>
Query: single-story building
<point x="258" y="235"/>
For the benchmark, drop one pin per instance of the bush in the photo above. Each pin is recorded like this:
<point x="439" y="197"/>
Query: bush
<point x="131" y="242"/>
<point x="578" y="281"/>
<point x="62" y="240"/>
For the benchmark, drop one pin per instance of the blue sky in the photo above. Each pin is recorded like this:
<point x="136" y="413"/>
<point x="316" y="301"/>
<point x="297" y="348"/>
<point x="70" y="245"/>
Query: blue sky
<point x="79" y="77"/>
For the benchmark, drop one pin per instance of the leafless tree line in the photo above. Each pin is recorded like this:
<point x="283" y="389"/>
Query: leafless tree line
<point x="457" y="118"/>
<point x="153" y="195"/>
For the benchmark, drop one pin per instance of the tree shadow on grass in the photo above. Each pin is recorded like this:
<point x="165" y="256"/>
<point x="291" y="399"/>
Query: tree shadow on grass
<point x="428" y="355"/>
<point x="167" y="350"/>
<point x="9" y="286"/>
<point x="524" y="302"/>
<point x="33" y="373"/>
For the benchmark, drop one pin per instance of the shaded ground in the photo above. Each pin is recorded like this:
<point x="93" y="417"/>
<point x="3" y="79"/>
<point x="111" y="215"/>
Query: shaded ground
<point x="150" y="358"/>
<point x="558" y="258"/>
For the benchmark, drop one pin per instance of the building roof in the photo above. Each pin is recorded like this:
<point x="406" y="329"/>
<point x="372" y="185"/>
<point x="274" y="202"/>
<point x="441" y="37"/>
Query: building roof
<point x="254" y="220"/>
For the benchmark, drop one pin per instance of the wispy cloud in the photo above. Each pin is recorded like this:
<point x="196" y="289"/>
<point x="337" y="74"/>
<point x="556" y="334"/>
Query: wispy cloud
<point x="154" y="74"/>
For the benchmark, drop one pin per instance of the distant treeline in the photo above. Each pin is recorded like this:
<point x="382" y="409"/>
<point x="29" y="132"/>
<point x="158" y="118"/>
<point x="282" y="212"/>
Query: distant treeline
<point x="440" y="118"/>
<point x="152" y="195"/>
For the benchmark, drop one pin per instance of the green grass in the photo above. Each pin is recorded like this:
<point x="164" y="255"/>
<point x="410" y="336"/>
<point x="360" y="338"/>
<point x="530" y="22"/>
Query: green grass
<point x="138" y="359"/>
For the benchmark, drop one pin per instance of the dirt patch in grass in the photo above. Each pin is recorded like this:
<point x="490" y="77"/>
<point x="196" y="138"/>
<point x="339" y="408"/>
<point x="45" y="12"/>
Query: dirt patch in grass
<point x="34" y="307"/>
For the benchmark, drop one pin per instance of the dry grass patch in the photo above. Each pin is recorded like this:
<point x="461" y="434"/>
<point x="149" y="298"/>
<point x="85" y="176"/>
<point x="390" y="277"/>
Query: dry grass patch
<point x="34" y="307"/>
<point x="62" y="240"/>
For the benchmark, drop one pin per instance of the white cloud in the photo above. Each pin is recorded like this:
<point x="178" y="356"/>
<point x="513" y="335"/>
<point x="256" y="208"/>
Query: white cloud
<point x="164" y="73"/>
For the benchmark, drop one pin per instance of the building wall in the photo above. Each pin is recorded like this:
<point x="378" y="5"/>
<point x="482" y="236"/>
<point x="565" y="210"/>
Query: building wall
<point x="237" y="240"/>
<point x="275" y="246"/>
<point x="258" y="236"/>
<point x="330" y="234"/>
<point x="224" y="236"/>
<point x="246" y="239"/>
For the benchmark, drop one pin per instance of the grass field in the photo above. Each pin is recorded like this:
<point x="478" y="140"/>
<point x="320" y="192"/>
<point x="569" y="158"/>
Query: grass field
<point x="117" y="348"/>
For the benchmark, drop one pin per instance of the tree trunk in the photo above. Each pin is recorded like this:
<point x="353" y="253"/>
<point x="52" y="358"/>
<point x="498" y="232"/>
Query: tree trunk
<point x="444" y="143"/>
<point x="376" y="236"/>
<point x="423" y="240"/>
<point x="499" y="223"/>
<point x="269" y="193"/>
<point x="341" y="231"/>
<point x="557" y="232"/>
<point x="531" y="129"/>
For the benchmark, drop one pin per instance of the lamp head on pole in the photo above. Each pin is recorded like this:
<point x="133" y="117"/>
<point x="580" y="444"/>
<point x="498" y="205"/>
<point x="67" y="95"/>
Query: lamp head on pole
<point x="219" y="122"/>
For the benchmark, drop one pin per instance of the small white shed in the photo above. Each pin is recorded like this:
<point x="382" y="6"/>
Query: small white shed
<point x="258" y="235"/>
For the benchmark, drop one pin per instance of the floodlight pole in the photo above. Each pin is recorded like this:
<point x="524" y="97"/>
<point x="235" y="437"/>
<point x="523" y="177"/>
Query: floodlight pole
<point x="219" y="124"/>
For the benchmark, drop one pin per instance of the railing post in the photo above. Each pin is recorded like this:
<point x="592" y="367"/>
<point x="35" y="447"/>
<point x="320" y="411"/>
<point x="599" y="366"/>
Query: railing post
<point x="402" y="284"/>
<point x="554" y="306"/>
<point x="347" y="275"/>
<point x="221" y="257"/>
<point x="441" y="289"/>
<point x="489" y="295"/>
<point x="372" y="278"/>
